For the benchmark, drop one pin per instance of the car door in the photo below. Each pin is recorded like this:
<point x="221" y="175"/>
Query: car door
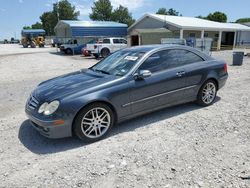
<point x="163" y="87"/>
<point x="116" y="45"/>
<point x="195" y="71"/>
<point x="123" y="43"/>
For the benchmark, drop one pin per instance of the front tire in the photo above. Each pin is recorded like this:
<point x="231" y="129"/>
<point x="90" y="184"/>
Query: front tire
<point x="105" y="52"/>
<point x="94" y="122"/>
<point x="207" y="93"/>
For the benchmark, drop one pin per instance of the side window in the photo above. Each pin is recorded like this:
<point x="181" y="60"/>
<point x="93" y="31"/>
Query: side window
<point x="168" y="59"/>
<point x="106" y="41"/>
<point x="160" y="61"/>
<point x="116" y="41"/>
<point x="123" y="41"/>
<point x="186" y="57"/>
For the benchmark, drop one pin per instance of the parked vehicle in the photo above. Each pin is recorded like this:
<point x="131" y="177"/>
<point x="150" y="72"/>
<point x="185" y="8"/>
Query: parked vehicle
<point x="73" y="48"/>
<point x="108" y="45"/>
<point x="85" y="52"/>
<point x="128" y="83"/>
<point x="6" y="41"/>
<point x="68" y="47"/>
<point x="14" y="41"/>
<point x="33" y="38"/>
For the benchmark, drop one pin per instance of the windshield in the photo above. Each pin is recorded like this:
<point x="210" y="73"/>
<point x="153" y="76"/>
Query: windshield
<point x="118" y="63"/>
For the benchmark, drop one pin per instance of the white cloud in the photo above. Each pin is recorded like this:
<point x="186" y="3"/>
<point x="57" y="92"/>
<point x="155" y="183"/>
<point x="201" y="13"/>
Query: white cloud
<point x="20" y="1"/>
<point x="83" y="9"/>
<point x="131" y="5"/>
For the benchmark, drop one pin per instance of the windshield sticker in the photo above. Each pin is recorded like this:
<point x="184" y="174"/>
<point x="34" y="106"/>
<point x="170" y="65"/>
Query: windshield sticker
<point x="131" y="58"/>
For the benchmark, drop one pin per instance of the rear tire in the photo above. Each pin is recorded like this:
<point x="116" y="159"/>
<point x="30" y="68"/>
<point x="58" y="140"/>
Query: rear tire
<point x="69" y="51"/>
<point x="93" y="122"/>
<point x="105" y="52"/>
<point x="207" y="93"/>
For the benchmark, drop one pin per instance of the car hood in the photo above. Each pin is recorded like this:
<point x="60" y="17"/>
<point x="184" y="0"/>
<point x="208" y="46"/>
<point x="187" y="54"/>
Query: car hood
<point x="59" y="87"/>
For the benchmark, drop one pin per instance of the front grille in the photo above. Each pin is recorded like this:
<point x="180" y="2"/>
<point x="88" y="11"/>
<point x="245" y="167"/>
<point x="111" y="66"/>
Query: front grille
<point x="33" y="102"/>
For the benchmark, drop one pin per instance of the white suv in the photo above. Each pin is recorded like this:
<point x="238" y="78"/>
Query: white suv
<point x="107" y="46"/>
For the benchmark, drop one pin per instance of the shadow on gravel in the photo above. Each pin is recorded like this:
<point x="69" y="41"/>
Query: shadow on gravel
<point x="156" y="116"/>
<point x="39" y="144"/>
<point x="59" y="53"/>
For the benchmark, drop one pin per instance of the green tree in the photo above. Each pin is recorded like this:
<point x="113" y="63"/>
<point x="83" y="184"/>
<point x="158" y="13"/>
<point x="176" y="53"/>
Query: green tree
<point x="201" y="17"/>
<point x="27" y="27"/>
<point x="243" y="20"/>
<point x="64" y="10"/>
<point x="162" y="11"/>
<point x="217" y="16"/>
<point x="122" y="15"/>
<point x="37" y="25"/>
<point x="49" y="21"/>
<point x="170" y="11"/>
<point x="102" y="10"/>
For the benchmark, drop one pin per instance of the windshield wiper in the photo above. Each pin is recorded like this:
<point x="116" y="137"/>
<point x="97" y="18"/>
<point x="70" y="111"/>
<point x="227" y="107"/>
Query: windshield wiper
<point x="102" y="71"/>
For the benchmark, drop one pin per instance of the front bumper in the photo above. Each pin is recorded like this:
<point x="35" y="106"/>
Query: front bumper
<point x="48" y="128"/>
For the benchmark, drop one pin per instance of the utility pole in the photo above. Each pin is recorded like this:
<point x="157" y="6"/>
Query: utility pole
<point x="58" y="10"/>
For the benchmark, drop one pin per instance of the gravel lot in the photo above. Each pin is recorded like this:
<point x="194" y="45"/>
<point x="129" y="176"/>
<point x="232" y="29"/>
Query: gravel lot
<point x="182" y="146"/>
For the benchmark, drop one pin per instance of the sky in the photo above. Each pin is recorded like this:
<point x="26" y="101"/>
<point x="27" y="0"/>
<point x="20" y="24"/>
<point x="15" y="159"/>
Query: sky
<point x="14" y="14"/>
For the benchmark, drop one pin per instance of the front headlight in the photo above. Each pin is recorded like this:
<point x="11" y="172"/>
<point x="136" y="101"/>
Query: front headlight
<point x="48" y="108"/>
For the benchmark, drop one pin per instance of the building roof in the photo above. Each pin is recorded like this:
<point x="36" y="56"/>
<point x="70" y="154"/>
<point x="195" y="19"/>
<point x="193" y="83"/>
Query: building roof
<point x="155" y="30"/>
<point x="33" y="31"/>
<point x="77" y="23"/>
<point x="191" y="23"/>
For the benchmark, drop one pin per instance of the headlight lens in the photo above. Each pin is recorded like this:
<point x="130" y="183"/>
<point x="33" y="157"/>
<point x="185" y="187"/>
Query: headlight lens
<point x="42" y="108"/>
<point x="48" y="108"/>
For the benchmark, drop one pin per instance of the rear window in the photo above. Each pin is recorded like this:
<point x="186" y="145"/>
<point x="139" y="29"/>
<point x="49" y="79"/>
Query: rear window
<point x="106" y="41"/>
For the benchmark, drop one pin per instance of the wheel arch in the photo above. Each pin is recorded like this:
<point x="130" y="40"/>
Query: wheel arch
<point x="105" y="48"/>
<point x="213" y="79"/>
<point x="90" y="103"/>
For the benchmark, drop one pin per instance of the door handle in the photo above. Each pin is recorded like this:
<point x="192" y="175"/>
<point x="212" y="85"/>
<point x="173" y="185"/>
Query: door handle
<point x="180" y="74"/>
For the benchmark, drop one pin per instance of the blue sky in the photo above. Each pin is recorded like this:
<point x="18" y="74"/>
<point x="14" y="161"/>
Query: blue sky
<point x="14" y="14"/>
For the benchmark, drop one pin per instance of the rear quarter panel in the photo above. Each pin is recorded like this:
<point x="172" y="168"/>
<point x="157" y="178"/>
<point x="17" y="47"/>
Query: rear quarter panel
<point x="198" y="73"/>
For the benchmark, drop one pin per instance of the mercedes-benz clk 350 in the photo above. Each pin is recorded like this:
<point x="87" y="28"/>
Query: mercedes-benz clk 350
<point x="128" y="83"/>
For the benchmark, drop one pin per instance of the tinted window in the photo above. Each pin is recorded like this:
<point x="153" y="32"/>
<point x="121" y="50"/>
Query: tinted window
<point x="116" y="41"/>
<point x="123" y="41"/>
<point x="167" y="59"/>
<point x="187" y="57"/>
<point x="106" y="41"/>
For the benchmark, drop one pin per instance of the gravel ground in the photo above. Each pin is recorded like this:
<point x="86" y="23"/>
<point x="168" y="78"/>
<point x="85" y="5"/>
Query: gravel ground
<point x="182" y="146"/>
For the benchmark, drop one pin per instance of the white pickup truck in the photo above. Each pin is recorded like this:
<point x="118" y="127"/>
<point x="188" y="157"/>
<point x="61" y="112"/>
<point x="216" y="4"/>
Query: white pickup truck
<point x="107" y="46"/>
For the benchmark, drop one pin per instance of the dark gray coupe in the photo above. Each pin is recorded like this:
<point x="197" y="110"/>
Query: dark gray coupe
<point x="126" y="84"/>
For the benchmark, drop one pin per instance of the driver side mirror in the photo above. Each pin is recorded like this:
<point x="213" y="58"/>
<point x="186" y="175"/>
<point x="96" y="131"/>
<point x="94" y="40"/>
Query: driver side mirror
<point x="142" y="74"/>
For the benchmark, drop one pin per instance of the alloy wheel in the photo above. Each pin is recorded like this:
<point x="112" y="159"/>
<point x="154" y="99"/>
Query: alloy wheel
<point x="95" y="122"/>
<point x="209" y="93"/>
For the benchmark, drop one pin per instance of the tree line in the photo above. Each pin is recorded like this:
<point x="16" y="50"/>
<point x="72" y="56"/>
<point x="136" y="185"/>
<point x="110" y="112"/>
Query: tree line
<point x="102" y="10"/>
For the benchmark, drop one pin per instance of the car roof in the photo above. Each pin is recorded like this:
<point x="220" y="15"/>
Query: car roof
<point x="155" y="47"/>
<point x="148" y="48"/>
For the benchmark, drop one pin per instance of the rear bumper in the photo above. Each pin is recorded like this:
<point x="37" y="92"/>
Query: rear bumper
<point x="49" y="129"/>
<point x="222" y="81"/>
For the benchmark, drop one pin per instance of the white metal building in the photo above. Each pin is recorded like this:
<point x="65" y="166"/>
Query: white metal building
<point x="223" y="34"/>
